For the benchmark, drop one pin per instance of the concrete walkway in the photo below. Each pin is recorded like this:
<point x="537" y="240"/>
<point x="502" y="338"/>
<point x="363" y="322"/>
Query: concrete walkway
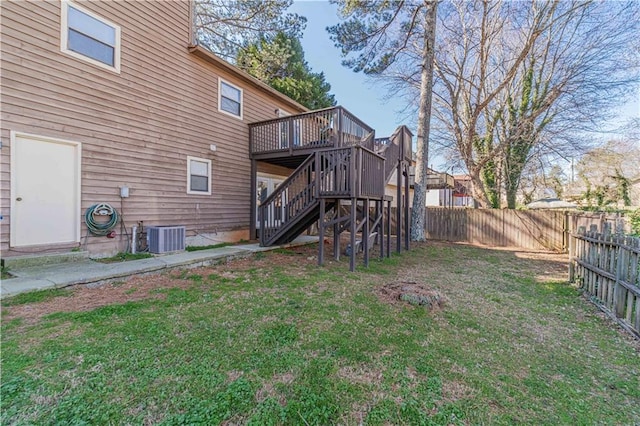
<point x="88" y="271"/>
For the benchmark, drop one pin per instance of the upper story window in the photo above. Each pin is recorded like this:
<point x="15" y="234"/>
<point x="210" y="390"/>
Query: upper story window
<point x="90" y="37"/>
<point x="229" y="98"/>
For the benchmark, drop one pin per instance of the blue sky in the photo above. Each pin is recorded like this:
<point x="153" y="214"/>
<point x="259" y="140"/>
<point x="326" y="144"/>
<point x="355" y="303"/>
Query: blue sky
<point x="352" y="90"/>
<point x="356" y="92"/>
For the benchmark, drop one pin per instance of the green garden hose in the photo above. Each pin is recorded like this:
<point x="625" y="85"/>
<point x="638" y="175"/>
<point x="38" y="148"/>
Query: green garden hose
<point x="98" y="210"/>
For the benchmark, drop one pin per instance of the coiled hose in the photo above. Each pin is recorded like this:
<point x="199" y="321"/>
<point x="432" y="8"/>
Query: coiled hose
<point x="101" y="228"/>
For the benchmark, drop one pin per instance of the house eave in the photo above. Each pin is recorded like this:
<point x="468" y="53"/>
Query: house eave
<point x="206" y="55"/>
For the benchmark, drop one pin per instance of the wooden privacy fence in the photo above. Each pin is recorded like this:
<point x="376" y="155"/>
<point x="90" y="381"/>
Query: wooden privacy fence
<point x="607" y="266"/>
<point x="529" y="229"/>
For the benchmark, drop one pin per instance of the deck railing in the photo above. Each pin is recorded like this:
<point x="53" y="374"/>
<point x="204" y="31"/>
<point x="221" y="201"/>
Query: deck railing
<point x="370" y="180"/>
<point x="437" y="180"/>
<point x="333" y="127"/>
<point x="390" y="148"/>
<point x="337" y="167"/>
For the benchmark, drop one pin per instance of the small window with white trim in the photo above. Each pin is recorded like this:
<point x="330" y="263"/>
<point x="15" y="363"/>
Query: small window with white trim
<point x="198" y="176"/>
<point x="87" y="36"/>
<point x="229" y="98"/>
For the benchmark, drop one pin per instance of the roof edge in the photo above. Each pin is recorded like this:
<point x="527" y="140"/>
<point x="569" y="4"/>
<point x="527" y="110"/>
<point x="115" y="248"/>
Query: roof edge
<point x="210" y="57"/>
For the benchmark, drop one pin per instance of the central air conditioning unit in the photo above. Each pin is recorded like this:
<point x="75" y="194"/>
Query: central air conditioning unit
<point x="163" y="239"/>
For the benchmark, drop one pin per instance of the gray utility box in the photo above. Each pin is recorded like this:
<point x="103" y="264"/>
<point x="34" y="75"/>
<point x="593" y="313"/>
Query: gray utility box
<point x="163" y="239"/>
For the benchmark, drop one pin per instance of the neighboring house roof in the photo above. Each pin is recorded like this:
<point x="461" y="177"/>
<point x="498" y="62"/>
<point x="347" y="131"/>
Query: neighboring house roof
<point x="550" y="203"/>
<point x="205" y="54"/>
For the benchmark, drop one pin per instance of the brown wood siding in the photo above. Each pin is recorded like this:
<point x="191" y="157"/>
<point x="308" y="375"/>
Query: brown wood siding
<point x="137" y="127"/>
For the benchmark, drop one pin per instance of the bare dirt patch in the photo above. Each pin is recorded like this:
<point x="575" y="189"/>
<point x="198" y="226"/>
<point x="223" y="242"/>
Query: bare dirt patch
<point x="268" y="389"/>
<point x="360" y="375"/>
<point x="412" y="293"/>
<point x="84" y="298"/>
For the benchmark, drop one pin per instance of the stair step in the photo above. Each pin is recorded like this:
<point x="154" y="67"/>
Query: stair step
<point x="30" y="260"/>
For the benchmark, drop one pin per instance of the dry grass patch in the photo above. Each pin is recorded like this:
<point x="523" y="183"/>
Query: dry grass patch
<point x="453" y="391"/>
<point x="361" y="375"/>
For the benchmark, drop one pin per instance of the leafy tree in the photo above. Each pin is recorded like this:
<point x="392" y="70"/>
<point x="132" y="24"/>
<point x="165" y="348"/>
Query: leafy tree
<point x="280" y="63"/>
<point x="225" y="26"/>
<point x="542" y="180"/>
<point x="376" y="37"/>
<point x="605" y="173"/>
<point x="527" y="115"/>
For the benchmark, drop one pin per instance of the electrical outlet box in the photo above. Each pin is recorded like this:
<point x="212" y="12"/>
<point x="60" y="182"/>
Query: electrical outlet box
<point x="124" y="191"/>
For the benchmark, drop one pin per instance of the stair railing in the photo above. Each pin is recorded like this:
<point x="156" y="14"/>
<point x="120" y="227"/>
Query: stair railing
<point x="289" y="200"/>
<point x="350" y="172"/>
<point x="391" y="153"/>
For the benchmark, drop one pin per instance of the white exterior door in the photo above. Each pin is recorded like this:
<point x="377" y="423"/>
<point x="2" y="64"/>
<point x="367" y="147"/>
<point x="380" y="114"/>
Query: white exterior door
<point x="45" y="190"/>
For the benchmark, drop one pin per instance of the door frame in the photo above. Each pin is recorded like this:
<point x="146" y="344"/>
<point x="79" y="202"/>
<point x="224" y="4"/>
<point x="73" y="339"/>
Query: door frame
<point x="270" y="179"/>
<point x="13" y="173"/>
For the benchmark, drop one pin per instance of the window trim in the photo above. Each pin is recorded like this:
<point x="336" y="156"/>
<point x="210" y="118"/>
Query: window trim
<point x="220" y="82"/>
<point x="201" y="160"/>
<point x="64" y="36"/>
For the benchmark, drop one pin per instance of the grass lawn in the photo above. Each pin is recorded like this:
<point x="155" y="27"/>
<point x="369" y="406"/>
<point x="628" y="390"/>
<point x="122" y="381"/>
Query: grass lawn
<point x="276" y="339"/>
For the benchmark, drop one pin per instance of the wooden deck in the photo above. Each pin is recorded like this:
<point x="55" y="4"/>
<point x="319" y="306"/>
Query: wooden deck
<point x="437" y="180"/>
<point x="339" y="164"/>
<point x="288" y="141"/>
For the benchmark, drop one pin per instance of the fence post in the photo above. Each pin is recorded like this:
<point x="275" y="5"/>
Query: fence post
<point x="618" y="291"/>
<point x="572" y="253"/>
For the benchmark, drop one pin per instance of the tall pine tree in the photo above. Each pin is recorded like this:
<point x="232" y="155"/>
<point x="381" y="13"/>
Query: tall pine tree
<point x="280" y="63"/>
<point x="376" y="36"/>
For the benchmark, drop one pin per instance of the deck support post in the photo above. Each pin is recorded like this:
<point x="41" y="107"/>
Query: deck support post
<point x="380" y="227"/>
<point x="399" y="206"/>
<point x="352" y="255"/>
<point x="366" y="232"/>
<point x="407" y="222"/>
<point x="321" y="228"/>
<point x="388" y="217"/>
<point x="336" y="230"/>
<point x="253" y="203"/>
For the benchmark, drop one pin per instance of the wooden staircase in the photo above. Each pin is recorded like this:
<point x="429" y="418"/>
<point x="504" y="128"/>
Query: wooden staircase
<point x="329" y="174"/>
<point x="339" y="166"/>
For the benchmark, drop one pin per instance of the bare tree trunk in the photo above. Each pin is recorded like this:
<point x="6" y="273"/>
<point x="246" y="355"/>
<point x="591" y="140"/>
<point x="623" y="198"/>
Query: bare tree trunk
<point x="424" y="118"/>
